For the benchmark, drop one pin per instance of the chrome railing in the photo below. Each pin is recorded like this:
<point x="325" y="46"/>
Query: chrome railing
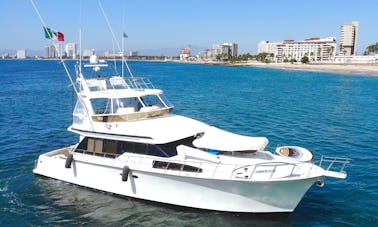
<point x="336" y="164"/>
<point x="139" y="83"/>
<point x="260" y="171"/>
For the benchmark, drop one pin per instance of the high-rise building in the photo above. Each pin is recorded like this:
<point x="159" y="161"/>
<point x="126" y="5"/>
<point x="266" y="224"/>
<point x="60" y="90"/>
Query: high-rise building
<point x="58" y="50"/>
<point x="71" y="50"/>
<point x="53" y="51"/>
<point x="348" y="39"/>
<point x="50" y="52"/>
<point x="233" y="49"/>
<point x="267" y="47"/>
<point x="21" y="54"/>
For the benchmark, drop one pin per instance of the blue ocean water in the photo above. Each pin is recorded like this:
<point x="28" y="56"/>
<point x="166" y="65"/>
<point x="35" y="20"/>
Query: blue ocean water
<point x="328" y="113"/>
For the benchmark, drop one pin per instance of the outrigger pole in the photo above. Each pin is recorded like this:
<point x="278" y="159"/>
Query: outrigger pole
<point x="52" y="39"/>
<point x="54" y="44"/>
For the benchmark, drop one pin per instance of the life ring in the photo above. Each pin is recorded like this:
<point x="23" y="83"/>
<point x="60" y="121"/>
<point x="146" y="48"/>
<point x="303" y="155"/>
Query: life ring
<point x="69" y="160"/>
<point x="125" y="173"/>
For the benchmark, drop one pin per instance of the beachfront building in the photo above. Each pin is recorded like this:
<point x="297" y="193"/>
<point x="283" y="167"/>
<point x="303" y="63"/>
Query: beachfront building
<point x="268" y="47"/>
<point x="316" y="49"/>
<point x="21" y="54"/>
<point x="223" y="52"/>
<point x="184" y="54"/>
<point x="71" y="50"/>
<point x="348" y="39"/>
<point x="204" y="54"/>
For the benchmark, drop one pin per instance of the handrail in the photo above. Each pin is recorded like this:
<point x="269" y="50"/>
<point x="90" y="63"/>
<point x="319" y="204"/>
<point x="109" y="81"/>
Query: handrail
<point x="336" y="164"/>
<point x="259" y="171"/>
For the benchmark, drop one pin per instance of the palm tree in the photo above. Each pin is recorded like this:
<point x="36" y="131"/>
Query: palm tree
<point x="330" y="52"/>
<point x="372" y="49"/>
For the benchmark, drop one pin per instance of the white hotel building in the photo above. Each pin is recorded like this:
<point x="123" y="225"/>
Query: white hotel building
<point x="316" y="49"/>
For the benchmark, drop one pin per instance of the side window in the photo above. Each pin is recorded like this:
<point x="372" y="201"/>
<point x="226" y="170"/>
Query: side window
<point x="95" y="145"/>
<point x="156" y="151"/>
<point x="175" y="166"/>
<point x="101" y="106"/>
<point x="110" y="146"/>
<point x="152" y="100"/>
<point x="83" y="146"/>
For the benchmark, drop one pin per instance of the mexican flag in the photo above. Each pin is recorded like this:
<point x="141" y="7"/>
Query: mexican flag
<point x="49" y="34"/>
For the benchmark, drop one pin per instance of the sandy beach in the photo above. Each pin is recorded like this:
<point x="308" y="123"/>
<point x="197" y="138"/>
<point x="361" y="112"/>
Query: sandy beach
<point x="368" y="69"/>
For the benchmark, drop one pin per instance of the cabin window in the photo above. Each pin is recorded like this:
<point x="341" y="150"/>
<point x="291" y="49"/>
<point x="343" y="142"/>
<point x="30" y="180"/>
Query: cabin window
<point x="152" y="100"/>
<point x="175" y="166"/>
<point x="103" y="146"/>
<point x="141" y="148"/>
<point x="101" y="106"/>
<point x="110" y="146"/>
<point x="95" y="145"/>
<point x="165" y="101"/>
<point x="125" y="105"/>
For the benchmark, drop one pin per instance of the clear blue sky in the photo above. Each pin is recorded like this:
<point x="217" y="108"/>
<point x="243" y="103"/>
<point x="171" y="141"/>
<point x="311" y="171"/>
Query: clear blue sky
<point x="174" y="24"/>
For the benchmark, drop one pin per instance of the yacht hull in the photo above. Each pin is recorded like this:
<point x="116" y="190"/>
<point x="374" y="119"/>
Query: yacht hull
<point x="195" y="192"/>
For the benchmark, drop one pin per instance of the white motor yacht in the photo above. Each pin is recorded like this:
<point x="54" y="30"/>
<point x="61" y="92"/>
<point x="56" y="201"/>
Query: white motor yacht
<point x="131" y="144"/>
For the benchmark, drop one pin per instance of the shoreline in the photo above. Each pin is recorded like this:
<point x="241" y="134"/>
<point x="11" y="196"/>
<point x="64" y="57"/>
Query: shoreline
<point x="370" y="69"/>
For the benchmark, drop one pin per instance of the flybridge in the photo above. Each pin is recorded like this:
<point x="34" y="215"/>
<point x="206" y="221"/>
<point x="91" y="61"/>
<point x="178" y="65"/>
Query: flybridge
<point x="116" y="99"/>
